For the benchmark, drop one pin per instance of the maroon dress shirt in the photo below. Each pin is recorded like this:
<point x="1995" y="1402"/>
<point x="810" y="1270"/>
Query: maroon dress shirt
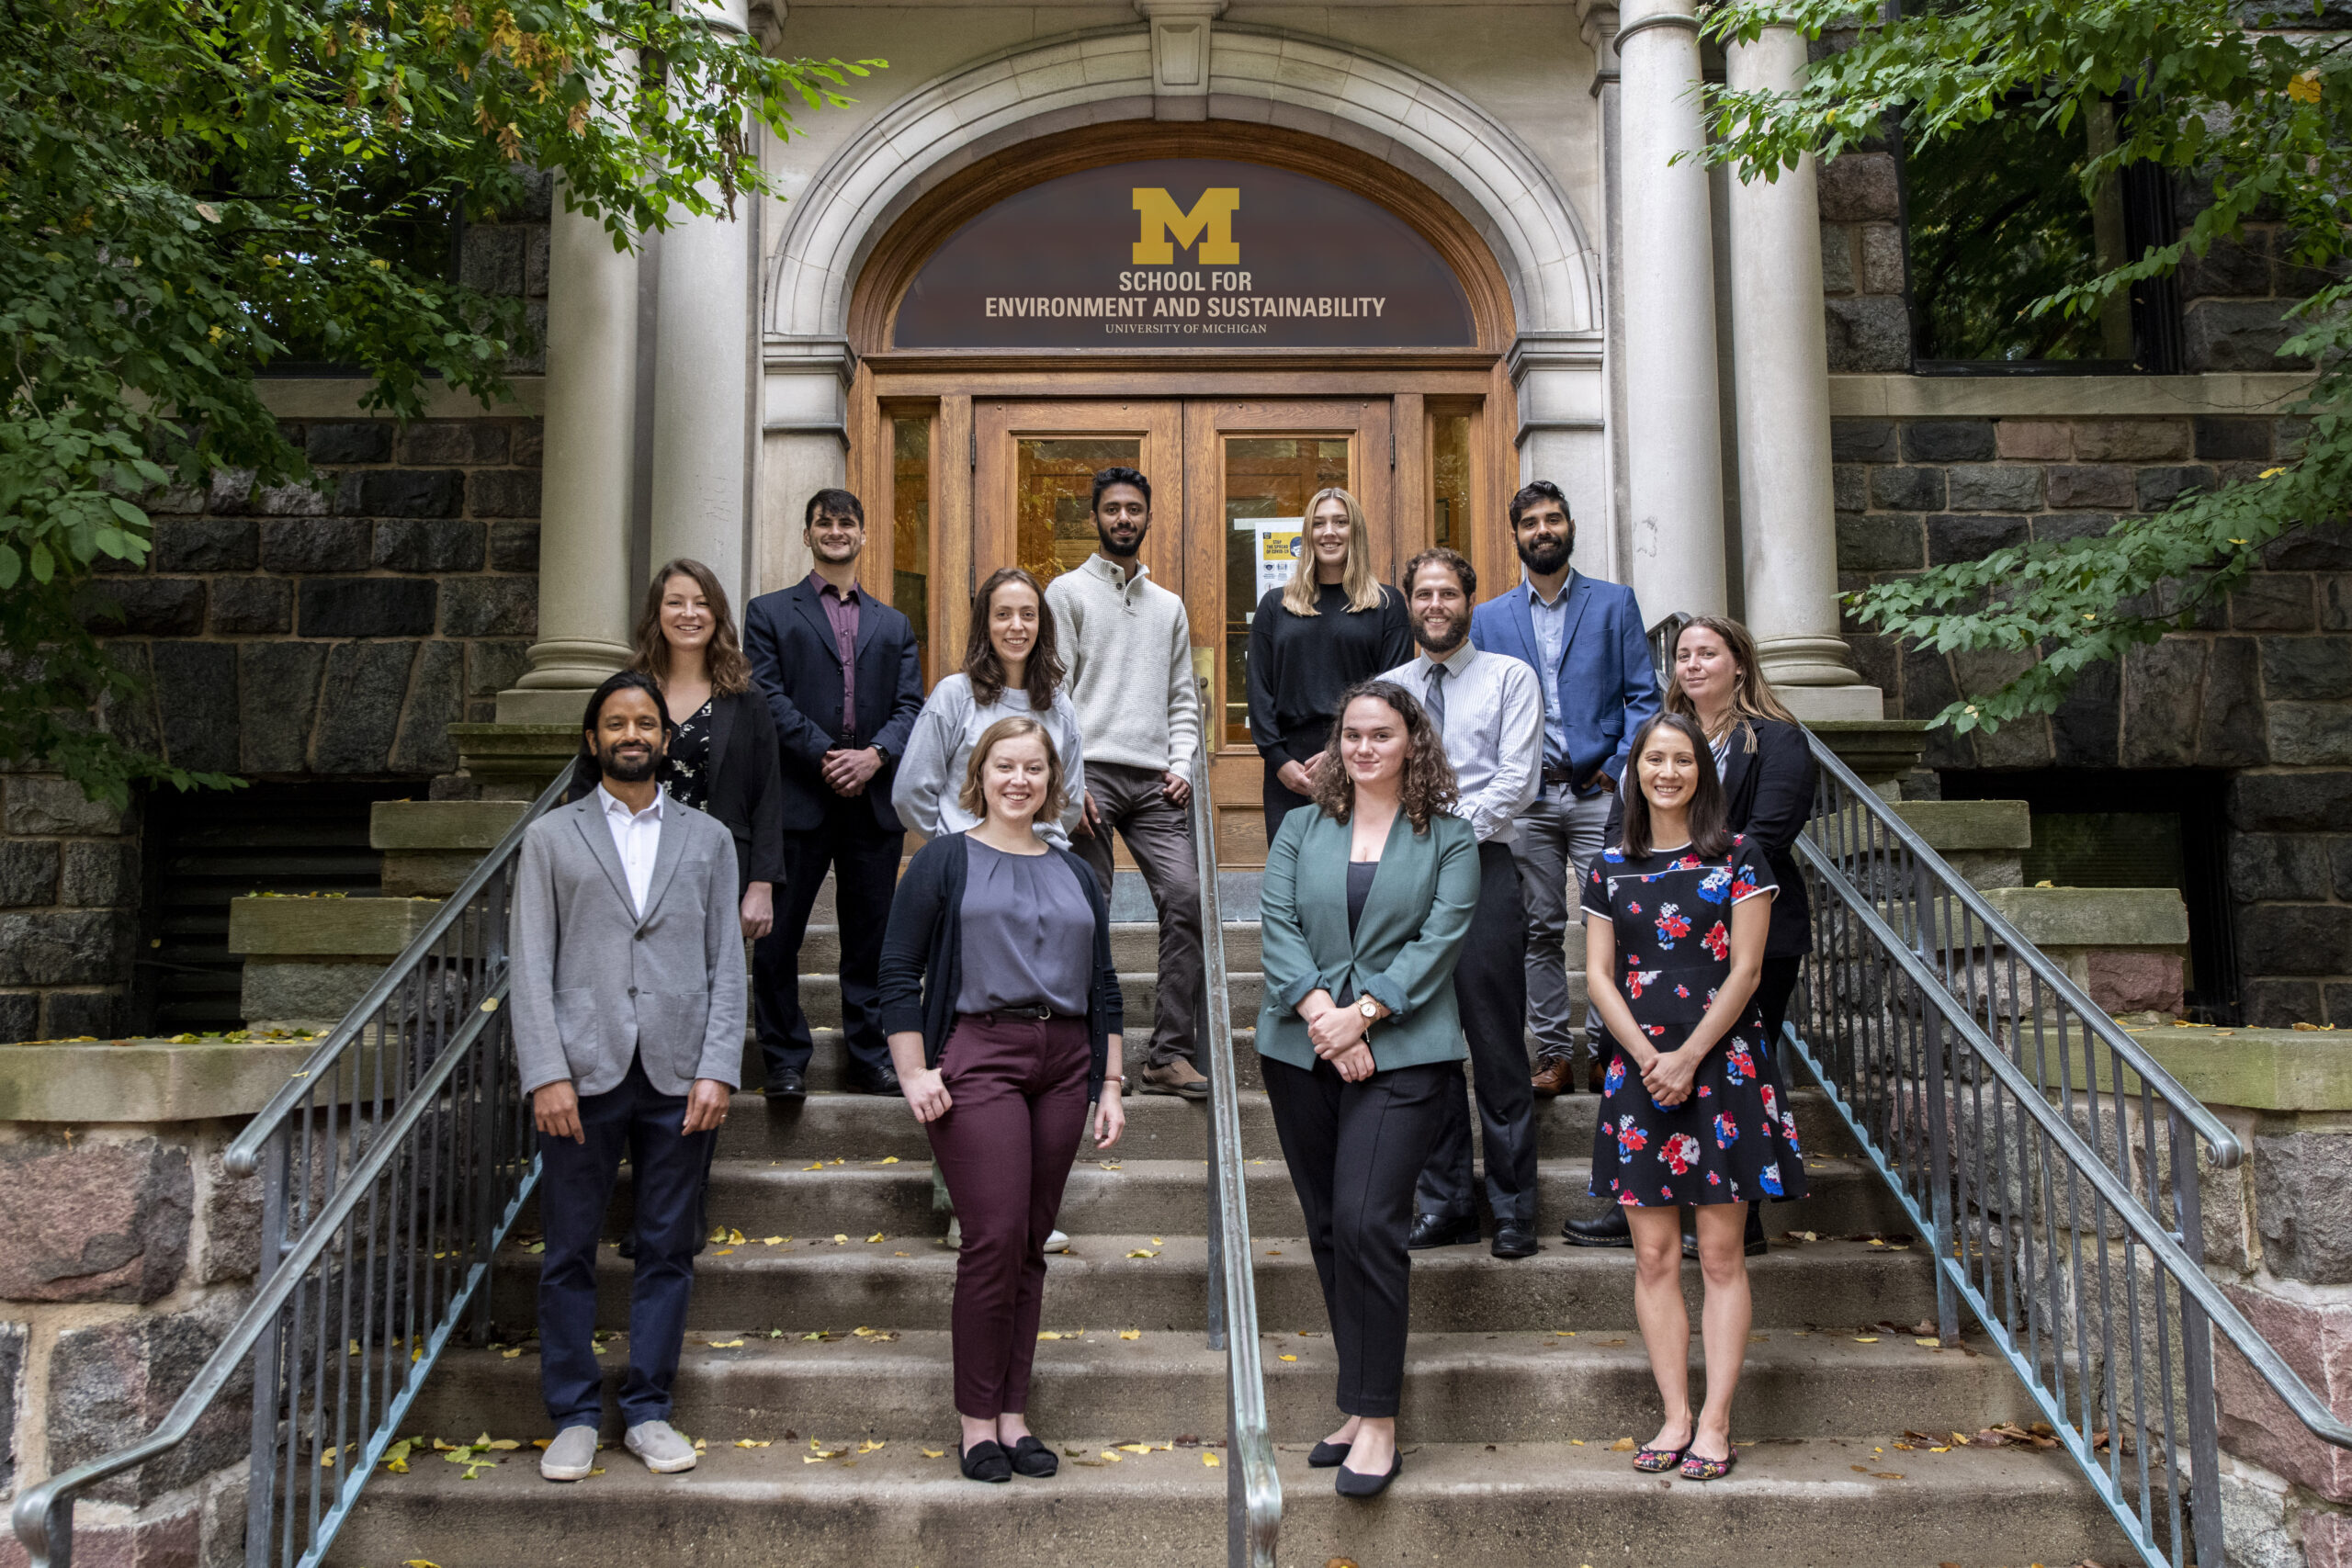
<point x="840" y="613"/>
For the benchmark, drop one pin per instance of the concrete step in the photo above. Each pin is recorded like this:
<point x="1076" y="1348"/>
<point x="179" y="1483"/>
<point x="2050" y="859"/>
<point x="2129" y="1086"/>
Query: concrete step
<point x="1134" y="944"/>
<point x="826" y="1070"/>
<point x="1124" y="1195"/>
<point x="1480" y="1387"/>
<point x="821" y="998"/>
<point x="1826" y="1502"/>
<point x="904" y="1282"/>
<point x="827" y="1125"/>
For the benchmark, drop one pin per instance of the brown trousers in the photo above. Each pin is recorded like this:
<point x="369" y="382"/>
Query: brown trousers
<point x="1159" y="835"/>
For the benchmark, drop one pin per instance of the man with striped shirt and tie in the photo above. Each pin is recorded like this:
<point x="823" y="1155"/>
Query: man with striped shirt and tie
<point x="1488" y="710"/>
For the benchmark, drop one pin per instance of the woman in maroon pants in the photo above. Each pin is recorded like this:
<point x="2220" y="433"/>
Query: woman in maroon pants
<point x="1003" y="1015"/>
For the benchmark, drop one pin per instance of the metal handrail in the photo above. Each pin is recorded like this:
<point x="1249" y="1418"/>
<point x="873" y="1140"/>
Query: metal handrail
<point x="394" y="1162"/>
<point x="1928" y="1011"/>
<point x="43" y="1516"/>
<point x="243" y="1154"/>
<point x="1253" y="1507"/>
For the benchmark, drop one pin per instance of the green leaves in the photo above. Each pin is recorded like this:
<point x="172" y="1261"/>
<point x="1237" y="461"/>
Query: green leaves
<point x="191" y="189"/>
<point x="2256" y="121"/>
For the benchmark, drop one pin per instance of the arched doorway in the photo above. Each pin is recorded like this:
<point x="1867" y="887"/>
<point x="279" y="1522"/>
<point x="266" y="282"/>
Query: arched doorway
<point x="1246" y="311"/>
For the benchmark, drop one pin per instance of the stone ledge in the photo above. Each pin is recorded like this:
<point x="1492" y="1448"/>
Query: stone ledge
<point x="1901" y="395"/>
<point x="1950" y="825"/>
<point x="441" y="825"/>
<point x="327" y="928"/>
<point x="2259" y="1069"/>
<point x="143" y="1080"/>
<point x="2094" y="917"/>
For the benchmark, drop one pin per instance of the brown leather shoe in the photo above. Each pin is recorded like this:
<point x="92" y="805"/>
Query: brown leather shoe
<point x="1553" y="1075"/>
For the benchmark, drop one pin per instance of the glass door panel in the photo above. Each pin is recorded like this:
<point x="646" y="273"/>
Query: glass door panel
<point x="1266" y="483"/>
<point x="1053" y="496"/>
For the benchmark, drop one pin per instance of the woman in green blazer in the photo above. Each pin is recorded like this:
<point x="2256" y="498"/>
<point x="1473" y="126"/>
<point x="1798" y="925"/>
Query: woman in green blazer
<point x="1366" y="901"/>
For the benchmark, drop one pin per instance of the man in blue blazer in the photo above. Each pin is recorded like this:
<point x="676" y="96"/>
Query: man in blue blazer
<point x="842" y="676"/>
<point x="1590" y="648"/>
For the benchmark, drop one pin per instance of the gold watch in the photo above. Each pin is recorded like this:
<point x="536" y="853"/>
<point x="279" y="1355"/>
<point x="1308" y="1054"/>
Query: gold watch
<point x="1369" y="1010"/>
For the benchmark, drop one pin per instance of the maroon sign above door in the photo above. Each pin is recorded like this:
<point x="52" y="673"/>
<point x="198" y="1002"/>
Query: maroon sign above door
<point x="1185" y="253"/>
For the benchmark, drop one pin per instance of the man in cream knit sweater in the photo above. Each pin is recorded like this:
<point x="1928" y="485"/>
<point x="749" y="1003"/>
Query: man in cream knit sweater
<point x="1130" y="654"/>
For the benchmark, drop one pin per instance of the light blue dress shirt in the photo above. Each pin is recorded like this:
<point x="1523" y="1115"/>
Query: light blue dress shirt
<point x="1551" y="623"/>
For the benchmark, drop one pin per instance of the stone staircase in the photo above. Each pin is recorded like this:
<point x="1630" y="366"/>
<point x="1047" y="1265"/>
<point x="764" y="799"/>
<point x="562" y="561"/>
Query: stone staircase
<point x="823" y="1332"/>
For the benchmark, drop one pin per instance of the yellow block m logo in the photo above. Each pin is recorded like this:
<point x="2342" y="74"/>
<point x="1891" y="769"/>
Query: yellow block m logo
<point x="1212" y="215"/>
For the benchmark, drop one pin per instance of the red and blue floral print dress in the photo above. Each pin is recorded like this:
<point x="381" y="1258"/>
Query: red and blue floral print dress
<point x="1735" y="1137"/>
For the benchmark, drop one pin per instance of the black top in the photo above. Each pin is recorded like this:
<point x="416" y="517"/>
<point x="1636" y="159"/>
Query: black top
<point x="1299" y="665"/>
<point x="1360" y="876"/>
<point x="686" y="771"/>
<point x="1767" y="796"/>
<point x="922" y="954"/>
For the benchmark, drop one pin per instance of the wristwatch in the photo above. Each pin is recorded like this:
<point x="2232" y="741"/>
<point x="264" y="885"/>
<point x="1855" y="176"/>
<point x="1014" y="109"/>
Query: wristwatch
<point x="1369" y="1010"/>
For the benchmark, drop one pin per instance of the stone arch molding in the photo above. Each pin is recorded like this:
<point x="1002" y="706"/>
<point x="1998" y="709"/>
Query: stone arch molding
<point x="1377" y="106"/>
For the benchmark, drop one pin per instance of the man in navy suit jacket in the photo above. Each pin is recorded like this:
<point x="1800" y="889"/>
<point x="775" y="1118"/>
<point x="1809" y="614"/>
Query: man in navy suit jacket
<point x="841" y="673"/>
<point x="1588" y="645"/>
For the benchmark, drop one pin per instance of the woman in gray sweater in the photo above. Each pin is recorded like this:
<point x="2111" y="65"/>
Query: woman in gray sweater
<point x="1011" y="671"/>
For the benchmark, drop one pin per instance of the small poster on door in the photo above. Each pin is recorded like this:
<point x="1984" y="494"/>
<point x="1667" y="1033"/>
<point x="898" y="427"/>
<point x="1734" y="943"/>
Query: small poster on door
<point x="1277" y="550"/>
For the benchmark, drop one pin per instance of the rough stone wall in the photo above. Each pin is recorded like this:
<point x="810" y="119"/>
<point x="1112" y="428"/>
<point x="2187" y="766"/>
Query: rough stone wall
<point x="2261" y="687"/>
<point x="69" y="896"/>
<point x="125" y="1253"/>
<point x="1862" y="264"/>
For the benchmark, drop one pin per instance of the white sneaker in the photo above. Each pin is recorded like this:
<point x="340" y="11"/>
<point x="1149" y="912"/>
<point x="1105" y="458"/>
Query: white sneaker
<point x="660" y="1445"/>
<point x="1057" y="1241"/>
<point x="571" y="1457"/>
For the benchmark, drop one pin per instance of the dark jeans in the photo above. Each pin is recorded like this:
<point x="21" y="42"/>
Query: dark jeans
<point x="1353" y="1151"/>
<point x="1280" y="802"/>
<point x="1006" y="1147"/>
<point x="575" y="1187"/>
<point x="1774" y="986"/>
<point x="1490" y="987"/>
<point x="864" y="863"/>
<point x="1159" y="835"/>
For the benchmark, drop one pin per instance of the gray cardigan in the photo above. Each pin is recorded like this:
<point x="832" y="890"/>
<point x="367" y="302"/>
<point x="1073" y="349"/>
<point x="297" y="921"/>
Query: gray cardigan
<point x="930" y="775"/>
<point x="594" y="984"/>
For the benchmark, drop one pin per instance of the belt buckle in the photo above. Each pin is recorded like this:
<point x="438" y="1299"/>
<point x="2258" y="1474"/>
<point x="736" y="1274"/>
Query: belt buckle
<point x="1045" y="1012"/>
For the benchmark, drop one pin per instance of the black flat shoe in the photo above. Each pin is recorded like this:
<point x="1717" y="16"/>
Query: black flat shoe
<point x="1610" y="1229"/>
<point x="985" y="1462"/>
<point x="787" y="1084"/>
<point x="1514" y="1240"/>
<point x="1325" y="1456"/>
<point x="1032" y="1458"/>
<point x="1350" y="1484"/>
<point x="1430" y="1231"/>
<point x="884" y="1080"/>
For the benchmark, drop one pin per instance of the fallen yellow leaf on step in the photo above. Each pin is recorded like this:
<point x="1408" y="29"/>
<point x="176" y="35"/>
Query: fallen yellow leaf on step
<point x="1210" y="1459"/>
<point x="749" y="1443"/>
<point x="840" y="1240"/>
<point x="934" y="1453"/>
<point x="510" y="1354"/>
<point x="876" y="1236"/>
<point x="1156" y="1242"/>
<point x="1621" y="1446"/>
<point x="1930" y="1342"/>
<point x="1111" y="1456"/>
<point x="419" y="1562"/>
<point x="889" y="1159"/>
<point x="1290" y="1358"/>
<point x="819" y="1166"/>
<point x="725" y="1343"/>
<point x="503" y="1445"/>
<point x="1131" y="1334"/>
<point x="734" y="1235"/>
<point x="724" y="1252"/>
<point x="1865" y="1338"/>
<point x="1143" y="1252"/>
<point x="1134" y="1448"/>
<point x="774" y="1240"/>
<point x="1048" y="1334"/>
<point x="871" y="1444"/>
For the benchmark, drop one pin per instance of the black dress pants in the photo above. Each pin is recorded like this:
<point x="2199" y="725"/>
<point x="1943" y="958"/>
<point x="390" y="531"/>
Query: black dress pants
<point x="1354" y="1150"/>
<point x="1490" y="987"/>
<point x="864" y="863"/>
<point x="1774" y="986"/>
<point x="1279" y="801"/>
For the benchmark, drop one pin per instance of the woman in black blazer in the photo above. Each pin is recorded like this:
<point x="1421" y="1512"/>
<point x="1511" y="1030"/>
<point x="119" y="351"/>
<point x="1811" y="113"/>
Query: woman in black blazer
<point x="723" y="756"/>
<point x="1334" y="623"/>
<point x="1005" y="1025"/>
<point x="1767" y="775"/>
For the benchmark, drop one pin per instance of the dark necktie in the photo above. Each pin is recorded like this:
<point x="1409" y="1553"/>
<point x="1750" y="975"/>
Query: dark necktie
<point x="1438" y="673"/>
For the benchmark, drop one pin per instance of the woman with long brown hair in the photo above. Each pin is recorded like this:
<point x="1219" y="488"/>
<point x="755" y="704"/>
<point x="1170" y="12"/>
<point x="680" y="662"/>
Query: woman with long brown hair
<point x="1694" y="1114"/>
<point x="723" y="757"/>
<point x="1767" y="772"/>
<point x="1366" y="899"/>
<point x="1333" y="624"/>
<point x="1012" y="668"/>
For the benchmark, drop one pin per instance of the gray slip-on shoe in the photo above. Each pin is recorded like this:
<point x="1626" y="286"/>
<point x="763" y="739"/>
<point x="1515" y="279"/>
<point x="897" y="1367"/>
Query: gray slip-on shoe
<point x="571" y="1457"/>
<point x="660" y="1445"/>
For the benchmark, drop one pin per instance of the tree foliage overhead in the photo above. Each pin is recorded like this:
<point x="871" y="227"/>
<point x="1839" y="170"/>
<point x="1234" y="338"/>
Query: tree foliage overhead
<point x="2255" y="118"/>
<point x="191" y="190"/>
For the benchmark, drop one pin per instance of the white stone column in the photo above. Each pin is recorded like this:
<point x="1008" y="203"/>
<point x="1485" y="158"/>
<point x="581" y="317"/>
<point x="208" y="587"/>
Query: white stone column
<point x="584" y="591"/>
<point x="702" y="381"/>
<point x="1780" y="379"/>
<point x="1674" y="453"/>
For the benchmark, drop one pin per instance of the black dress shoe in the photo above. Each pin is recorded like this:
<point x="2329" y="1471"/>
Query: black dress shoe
<point x="1034" y="1459"/>
<point x="1755" y="1245"/>
<point x="1350" y="1484"/>
<point x="1430" y="1231"/>
<point x="1324" y="1456"/>
<point x="1513" y="1239"/>
<point x="882" y="1080"/>
<point x="1608" y="1230"/>
<point x="786" y="1084"/>
<point x="985" y="1462"/>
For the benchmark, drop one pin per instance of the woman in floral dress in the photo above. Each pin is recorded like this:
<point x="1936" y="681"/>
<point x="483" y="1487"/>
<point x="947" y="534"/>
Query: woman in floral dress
<point x="1692" y="1111"/>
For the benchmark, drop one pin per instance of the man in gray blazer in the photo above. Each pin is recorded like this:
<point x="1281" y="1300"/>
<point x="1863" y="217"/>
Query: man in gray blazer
<point x="629" y="1035"/>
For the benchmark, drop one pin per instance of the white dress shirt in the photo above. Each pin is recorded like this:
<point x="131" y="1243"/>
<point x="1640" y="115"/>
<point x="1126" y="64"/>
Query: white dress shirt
<point x="636" y="839"/>
<point x="1494" y="733"/>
